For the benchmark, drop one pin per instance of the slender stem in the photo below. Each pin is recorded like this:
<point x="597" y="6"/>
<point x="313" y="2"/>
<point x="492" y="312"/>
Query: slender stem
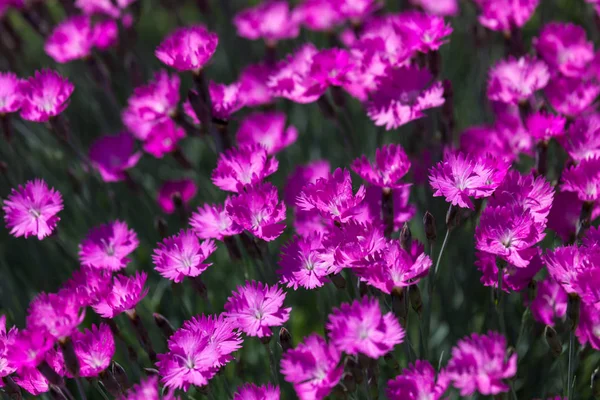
<point x="499" y="301"/>
<point x="99" y="389"/>
<point x="80" y="388"/>
<point x="570" y="364"/>
<point x="437" y="264"/>
<point x="366" y="383"/>
<point x="272" y="363"/>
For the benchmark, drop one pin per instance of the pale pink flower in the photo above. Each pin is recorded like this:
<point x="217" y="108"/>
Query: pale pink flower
<point x="515" y="80"/>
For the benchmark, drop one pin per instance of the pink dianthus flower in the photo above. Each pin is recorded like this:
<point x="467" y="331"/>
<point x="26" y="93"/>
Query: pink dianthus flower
<point x="214" y="222"/>
<point x="94" y="349"/>
<point x="515" y="80"/>
<point x="148" y="389"/>
<point x="45" y="95"/>
<point x="125" y="292"/>
<point x="571" y="96"/>
<point x="550" y="303"/>
<point x="583" y="179"/>
<point x="7" y="339"/>
<point x="187" y="49"/>
<point x="11" y="96"/>
<point x="58" y="314"/>
<point x="172" y="192"/>
<point x="238" y="168"/>
<point x="544" y="126"/>
<point x="505" y="15"/>
<point x="268" y="130"/>
<point x="300" y="264"/>
<point x="417" y="382"/>
<point x="391" y="164"/>
<point x="565" y="48"/>
<point x="112" y="156"/>
<point x="107" y="246"/>
<point x="271" y="21"/>
<point x="250" y="391"/>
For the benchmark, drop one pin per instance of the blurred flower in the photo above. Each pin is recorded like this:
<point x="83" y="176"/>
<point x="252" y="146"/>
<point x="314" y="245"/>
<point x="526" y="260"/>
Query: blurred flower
<point x="238" y="168"/>
<point x="71" y="39"/>
<point x="107" y="246"/>
<point x="270" y="20"/>
<point x="395" y="267"/>
<point x="32" y="209"/>
<point x="148" y="389"/>
<point x="125" y="292"/>
<point x="515" y="80"/>
<point x="225" y="99"/>
<point x="360" y="327"/>
<point x="357" y="10"/>
<point x="90" y="284"/>
<point x="442" y="8"/>
<point x="505" y="15"/>
<point x="571" y="96"/>
<point x="253" y="89"/>
<point x="565" y="264"/>
<point x="513" y="278"/>
<point x="10" y="92"/>
<point x="565" y="212"/>
<point x="197" y="350"/>
<point x="266" y="129"/>
<point x="318" y="15"/>
<point x="332" y="196"/>
<point x="588" y="327"/>
<point x="509" y="233"/>
<point x="94" y="349"/>
<point x="111" y="8"/>
<point x="183" y="190"/>
<point x="163" y="138"/>
<point x="29" y="348"/>
<point x="480" y="364"/>
<point x="312" y="367"/>
<point x="582" y="139"/>
<point x="182" y="255"/>
<point x="250" y="391"/>
<point x="58" y="314"/>
<point x="45" y="95"/>
<point x="187" y="49"/>
<point x="417" y="382"/>
<point x="112" y="156"/>
<point x="544" y="126"/>
<point x="431" y="31"/>
<point x="371" y="210"/>
<point x="213" y="222"/>
<point x="583" y="179"/>
<point x="105" y="34"/>
<point x="32" y="381"/>
<point x="259" y="211"/>
<point x="7" y="339"/>
<point x="300" y="265"/>
<point x="289" y="78"/>
<point x="460" y="177"/>
<point x="565" y="48"/>
<point x="550" y="304"/>
<point x="303" y="175"/>
<point x="402" y="95"/>
<point x="255" y="307"/>
<point x="329" y="67"/>
<point x="151" y="104"/>
<point x="391" y="164"/>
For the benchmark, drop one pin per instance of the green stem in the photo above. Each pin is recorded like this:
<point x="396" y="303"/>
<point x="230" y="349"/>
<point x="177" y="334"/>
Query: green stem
<point x="499" y="302"/>
<point x="570" y="365"/>
<point x="272" y="364"/>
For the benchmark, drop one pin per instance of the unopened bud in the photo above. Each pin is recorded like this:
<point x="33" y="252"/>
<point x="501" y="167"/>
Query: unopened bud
<point x="161" y="227"/>
<point x="405" y="237"/>
<point x="429" y="224"/>
<point x="164" y="325"/>
<point x="120" y="375"/>
<point x="71" y="360"/>
<point x="414" y="293"/>
<point x="553" y="341"/>
<point x="573" y="305"/>
<point x="285" y="339"/>
<point x="50" y="374"/>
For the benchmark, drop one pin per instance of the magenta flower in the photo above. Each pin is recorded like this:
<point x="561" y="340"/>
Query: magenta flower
<point x="187" y="49"/>
<point x="332" y="197"/>
<point x="32" y="381"/>
<point x="391" y="164"/>
<point x="515" y="80"/>
<point x="225" y="99"/>
<point x="360" y="327"/>
<point x="239" y="168"/>
<point x="565" y="265"/>
<point x="544" y="126"/>
<point x="514" y="278"/>
<point x="318" y="15"/>
<point x="45" y="95"/>
<point x="112" y="156"/>
<point x="303" y="175"/>
<point x="58" y="314"/>
<point x="89" y="284"/>
<point x="372" y="212"/>
<point x="356" y="10"/>
<point x="255" y="307"/>
<point x="505" y="15"/>
<point x="312" y="367"/>
<point x="289" y="80"/>
<point x="163" y="139"/>
<point x="109" y="8"/>
<point x="253" y="89"/>
<point x="29" y="348"/>
<point x="259" y="211"/>
<point x="107" y="246"/>
<point x="571" y="96"/>
<point x="479" y="364"/>
<point x="148" y="389"/>
<point x="300" y="264"/>
<point x="329" y="67"/>
<point x="460" y="177"/>
<point x="582" y="139"/>
<point x="402" y="95"/>
<point x="550" y="304"/>
<point x="589" y="326"/>
<point x="7" y="339"/>
<point x="268" y="130"/>
<point x="125" y="292"/>
<point x="442" y="8"/>
<point x="396" y="267"/>
<point x="271" y="21"/>
<point x="583" y="179"/>
<point x="32" y="209"/>
<point x="197" y="350"/>
<point x="565" y="212"/>
<point x="94" y="349"/>
<point x="509" y="233"/>
<point x="214" y="222"/>
<point x="430" y="30"/>
<point x="565" y="48"/>
<point x="171" y="192"/>
<point x="152" y="104"/>
<point x="182" y="255"/>
<point x="11" y="97"/>
<point x="105" y="34"/>
<point x="418" y="381"/>
<point x="250" y="391"/>
<point x="70" y="40"/>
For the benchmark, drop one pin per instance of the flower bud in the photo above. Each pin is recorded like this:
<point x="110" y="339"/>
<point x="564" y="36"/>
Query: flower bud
<point x="71" y="360"/>
<point x="161" y="227"/>
<point x="119" y="375"/>
<point x="285" y="339"/>
<point x="429" y="223"/>
<point x="573" y="305"/>
<point x="164" y="325"/>
<point x="553" y="341"/>
<point x="405" y="237"/>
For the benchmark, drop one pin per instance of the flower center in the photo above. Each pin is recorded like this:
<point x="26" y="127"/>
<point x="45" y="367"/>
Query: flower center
<point x="35" y="213"/>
